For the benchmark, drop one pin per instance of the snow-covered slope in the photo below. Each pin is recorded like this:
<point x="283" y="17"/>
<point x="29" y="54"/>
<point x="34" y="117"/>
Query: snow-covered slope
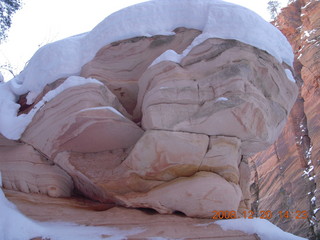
<point x="66" y="57"/>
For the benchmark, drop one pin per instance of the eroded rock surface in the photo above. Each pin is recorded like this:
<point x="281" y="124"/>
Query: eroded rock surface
<point x="26" y="170"/>
<point x="142" y="224"/>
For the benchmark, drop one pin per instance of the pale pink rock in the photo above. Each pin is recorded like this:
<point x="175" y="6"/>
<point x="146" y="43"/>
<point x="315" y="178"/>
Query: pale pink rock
<point x="244" y="184"/>
<point x="202" y="118"/>
<point x="166" y="155"/>
<point x="223" y="157"/>
<point x="86" y="118"/>
<point x="120" y="65"/>
<point x="195" y="196"/>
<point x="26" y="170"/>
<point x="222" y="87"/>
<point x="160" y="159"/>
<point x="90" y="170"/>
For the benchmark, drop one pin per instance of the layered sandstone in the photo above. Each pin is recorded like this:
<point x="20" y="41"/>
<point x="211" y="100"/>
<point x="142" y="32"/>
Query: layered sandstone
<point x="25" y="169"/>
<point x="286" y="176"/>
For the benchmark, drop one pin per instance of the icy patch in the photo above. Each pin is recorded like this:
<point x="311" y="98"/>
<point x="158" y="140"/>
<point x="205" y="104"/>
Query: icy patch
<point x="11" y="125"/>
<point x="289" y="75"/>
<point x="169" y="55"/>
<point x="15" y="226"/>
<point x="263" y="228"/>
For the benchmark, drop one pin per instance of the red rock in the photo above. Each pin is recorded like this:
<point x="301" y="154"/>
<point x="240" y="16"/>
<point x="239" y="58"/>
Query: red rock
<point x="280" y="181"/>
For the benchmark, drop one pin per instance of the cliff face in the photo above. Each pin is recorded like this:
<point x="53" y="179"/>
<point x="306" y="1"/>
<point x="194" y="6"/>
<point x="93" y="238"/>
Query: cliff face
<point x="285" y="177"/>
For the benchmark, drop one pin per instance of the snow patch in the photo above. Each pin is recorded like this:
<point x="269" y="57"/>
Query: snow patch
<point x="289" y="75"/>
<point x="221" y="99"/>
<point x="169" y="55"/>
<point x="308" y="170"/>
<point x="16" y="226"/>
<point x="11" y="125"/>
<point x="263" y="228"/>
<point x="305" y="6"/>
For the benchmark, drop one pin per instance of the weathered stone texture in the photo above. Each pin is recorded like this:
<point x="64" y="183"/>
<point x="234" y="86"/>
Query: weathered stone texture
<point x="286" y="176"/>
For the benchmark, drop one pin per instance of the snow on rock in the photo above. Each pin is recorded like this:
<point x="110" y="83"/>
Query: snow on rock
<point x="221" y="99"/>
<point x="112" y="109"/>
<point x="14" y="225"/>
<point x="265" y="229"/>
<point x="64" y="58"/>
<point x="289" y="75"/>
<point x="11" y="125"/>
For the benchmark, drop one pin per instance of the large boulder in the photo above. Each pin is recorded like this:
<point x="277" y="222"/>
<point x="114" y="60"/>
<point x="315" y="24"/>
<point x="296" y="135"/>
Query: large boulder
<point x="169" y="120"/>
<point x="222" y="87"/>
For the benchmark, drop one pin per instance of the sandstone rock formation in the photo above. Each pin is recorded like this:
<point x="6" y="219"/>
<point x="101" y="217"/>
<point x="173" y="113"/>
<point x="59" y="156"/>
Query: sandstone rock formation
<point x="173" y="136"/>
<point x="200" y="117"/>
<point x="286" y="176"/>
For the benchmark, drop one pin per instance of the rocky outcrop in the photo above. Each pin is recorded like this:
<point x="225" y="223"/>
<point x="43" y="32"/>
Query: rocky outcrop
<point x="165" y="122"/>
<point x="286" y="176"/>
<point x="199" y="119"/>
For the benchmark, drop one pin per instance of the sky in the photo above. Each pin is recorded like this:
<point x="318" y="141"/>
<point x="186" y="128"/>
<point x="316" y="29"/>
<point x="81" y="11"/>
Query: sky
<point x="43" y="21"/>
